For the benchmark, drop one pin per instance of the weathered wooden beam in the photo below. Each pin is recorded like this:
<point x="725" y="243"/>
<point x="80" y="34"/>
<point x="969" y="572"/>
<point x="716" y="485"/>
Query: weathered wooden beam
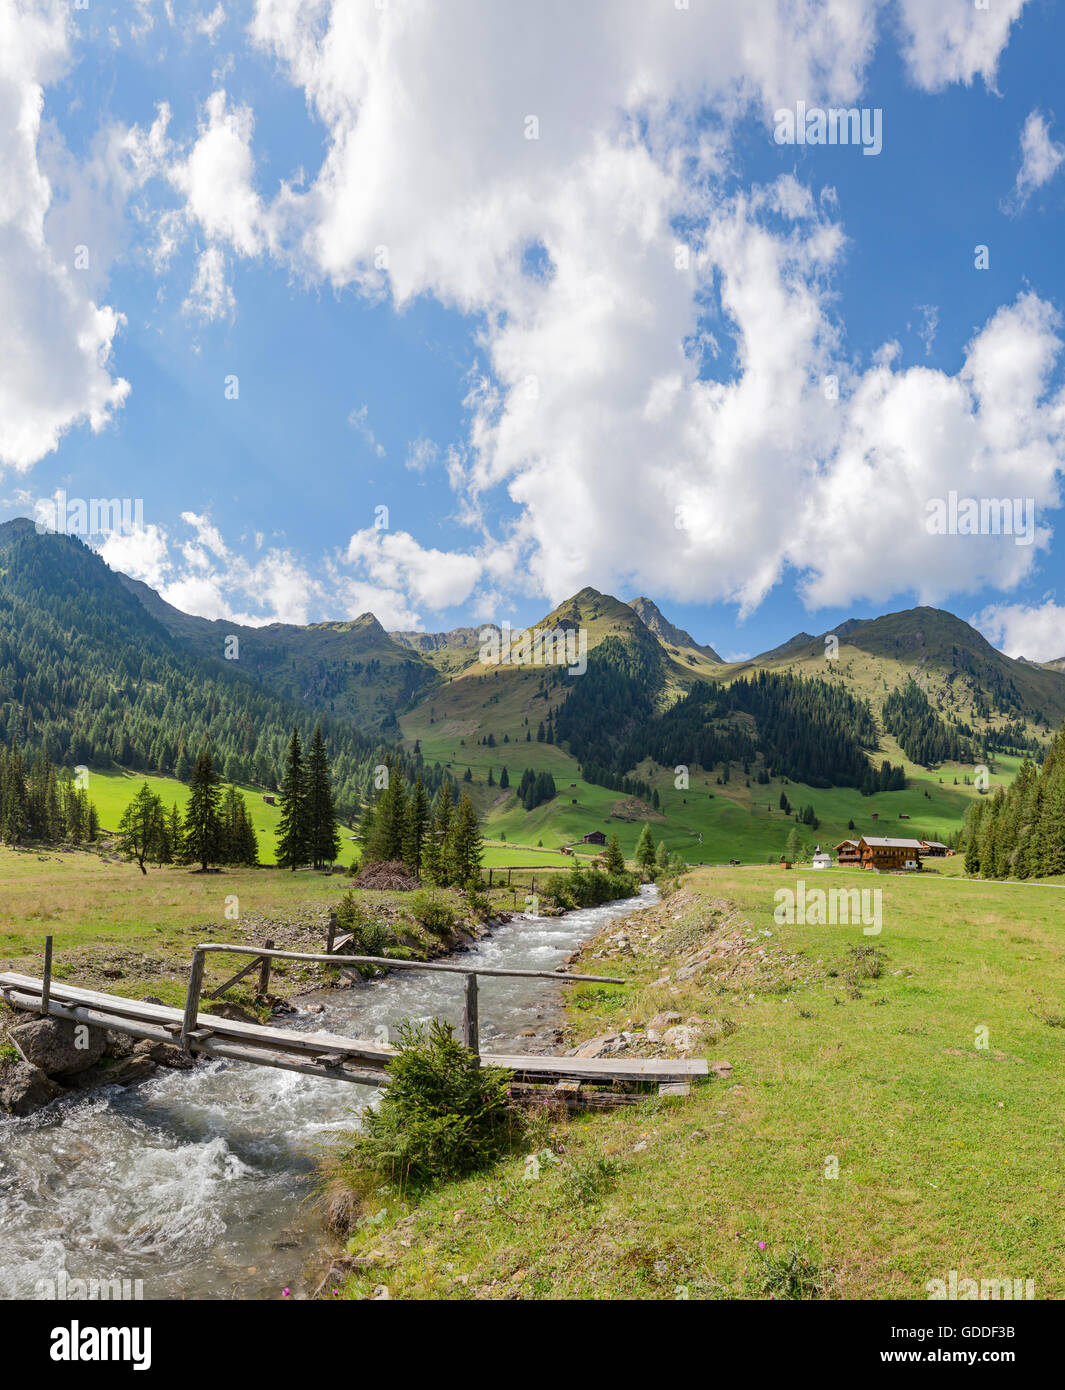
<point x="247" y="969"/>
<point x="393" y="964"/>
<point x="470" y="1030"/>
<point x="192" y="998"/>
<point x="264" y="973"/>
<point x="46" y="982"/>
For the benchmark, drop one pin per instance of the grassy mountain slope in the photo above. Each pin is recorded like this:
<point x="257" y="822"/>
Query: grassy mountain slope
<point x="449" y="705"/>
<point x="91" y="676"/>
<point x="353" y="670"/>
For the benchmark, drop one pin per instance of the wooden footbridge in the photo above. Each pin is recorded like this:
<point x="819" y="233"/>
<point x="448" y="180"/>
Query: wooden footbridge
<point x="360" y="1060"/>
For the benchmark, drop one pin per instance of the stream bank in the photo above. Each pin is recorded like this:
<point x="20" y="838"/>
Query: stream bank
<point x="197" y="1182"/>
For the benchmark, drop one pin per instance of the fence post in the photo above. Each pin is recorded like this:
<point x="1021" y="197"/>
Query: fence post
<point x="469" y="1015"/>
<point x="46" y="983"/>
<point x="192" y="998"/>
<point x="489" y="878"/>
<point x="508" y="877"/>
<point x="264" y="971"/>
<point x="331" y="936"/>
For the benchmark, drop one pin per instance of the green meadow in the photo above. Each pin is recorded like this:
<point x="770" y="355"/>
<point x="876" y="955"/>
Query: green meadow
<point x="112" y="791"/>
<point x="894" y="1112"/>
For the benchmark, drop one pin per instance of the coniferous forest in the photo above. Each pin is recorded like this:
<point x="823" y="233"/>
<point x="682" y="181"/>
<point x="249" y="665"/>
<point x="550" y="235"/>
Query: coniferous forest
<point x="1020" y="831"/>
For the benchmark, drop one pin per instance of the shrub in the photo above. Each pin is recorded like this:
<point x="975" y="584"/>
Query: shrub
<point x="433" y="912"/>
<point x="589" y="887"/>
<point x="369" y="935"/>
<point x="441" y="1117"/>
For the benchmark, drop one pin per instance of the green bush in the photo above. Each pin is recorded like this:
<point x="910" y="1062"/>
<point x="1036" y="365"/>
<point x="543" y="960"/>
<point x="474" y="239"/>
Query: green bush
<point x="588" y="887"/>
<point x="441" y="1117"/>
<point x="433" y="911"/>
<point x="370" y="937"/>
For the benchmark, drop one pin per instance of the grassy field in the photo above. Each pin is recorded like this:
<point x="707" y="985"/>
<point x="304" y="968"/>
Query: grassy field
<point x="870" y="1122"/>
<point x="112" y="791"/>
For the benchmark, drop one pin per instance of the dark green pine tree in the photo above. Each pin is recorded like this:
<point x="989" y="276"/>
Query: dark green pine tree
<point x="504" y="779"/>
<point x="645" y="849"/>
<point x="463" y="851"/>
<point x="615" y="860"/>
<point x="416" y="829"/>
<point x="293" y="837"/>
<point x="15" y="801"/>
<point x="385" y="841"/>
<point x="323" y="836"/>
<point x="202" y="838"/>
<point x="435" y="862"/>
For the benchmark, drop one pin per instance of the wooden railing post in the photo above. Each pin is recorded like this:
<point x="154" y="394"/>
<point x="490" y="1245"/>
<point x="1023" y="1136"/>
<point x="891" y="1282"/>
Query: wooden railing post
<point x="469" y="1016"/>
<point x="192" y="998"/>
<point x="331" y="937"/>
<point x="264" y="971"/>
<point x="46" y="983"/>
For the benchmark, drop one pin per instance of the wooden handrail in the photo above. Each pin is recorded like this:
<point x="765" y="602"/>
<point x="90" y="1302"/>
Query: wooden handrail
<point x="408" y="964"/>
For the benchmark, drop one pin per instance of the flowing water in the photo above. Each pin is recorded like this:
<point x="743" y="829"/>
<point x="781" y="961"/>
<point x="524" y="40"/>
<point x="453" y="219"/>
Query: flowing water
<point x="196" y="1183"/>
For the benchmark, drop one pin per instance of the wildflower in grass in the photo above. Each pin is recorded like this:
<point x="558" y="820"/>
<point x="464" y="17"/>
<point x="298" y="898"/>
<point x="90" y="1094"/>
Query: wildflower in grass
<point x="285" y="1293"/>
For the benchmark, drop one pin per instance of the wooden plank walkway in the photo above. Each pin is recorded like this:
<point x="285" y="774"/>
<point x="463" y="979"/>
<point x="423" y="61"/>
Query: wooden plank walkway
<point x="359" y="1060"/>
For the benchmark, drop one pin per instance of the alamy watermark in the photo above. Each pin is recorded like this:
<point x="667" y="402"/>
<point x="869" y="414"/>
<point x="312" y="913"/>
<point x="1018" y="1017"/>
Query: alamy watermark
<point x="535" y="647"/>
<point x="66" y="1290"/>
<point x="839" y="125"/>
<point x="953" y="1287"/>
<point x="834" y="907"/>
<point x="92" y="516"/>
<point x="981" y="516"/>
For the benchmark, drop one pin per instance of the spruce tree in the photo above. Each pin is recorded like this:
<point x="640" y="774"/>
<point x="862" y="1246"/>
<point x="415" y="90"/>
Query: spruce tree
<point x="463" y="848"/>
<point x="323" y="837"/>
<point x="645" y="849"/>
<point x="202" y="826"/>
<point x="389" y="820"/>
<point x="416" y="829"/>
<point x="293" y="838"/>
<point x="615" y="860"/>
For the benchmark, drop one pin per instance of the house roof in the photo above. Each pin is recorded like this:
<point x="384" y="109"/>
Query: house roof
<point x="843" y="843"/>
<point x="881" y="842"/>
<point x="934" y="844"/>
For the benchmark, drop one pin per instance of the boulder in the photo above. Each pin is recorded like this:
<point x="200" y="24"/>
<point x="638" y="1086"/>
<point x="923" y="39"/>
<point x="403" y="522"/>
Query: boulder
<point x="58" y="1046"/>
<point x="664" y="1020"/>
<point x="25" y="1088"/>
<point x="600" y="1047"/>
<point x="682" y="1037"/>
<point x="165" y="1054"/>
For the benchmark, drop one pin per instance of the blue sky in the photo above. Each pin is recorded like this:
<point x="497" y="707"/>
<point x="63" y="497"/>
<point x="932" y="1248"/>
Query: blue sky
<point x="489" y="335"/>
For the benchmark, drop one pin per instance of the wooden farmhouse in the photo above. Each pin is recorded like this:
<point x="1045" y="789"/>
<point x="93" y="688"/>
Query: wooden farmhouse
<point x="594" y="837"/>
<point x="847" y="852"/>
<point x="934" y="849"/>
<point x="884" y="853"/>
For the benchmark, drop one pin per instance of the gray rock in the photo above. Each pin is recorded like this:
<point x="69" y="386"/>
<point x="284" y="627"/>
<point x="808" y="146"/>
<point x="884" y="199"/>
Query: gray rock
<point x="165" y="1054"/>
<point x="664" y="1020"/>
<point x="59" y="1047"/>
<point x="25" y="1088"/>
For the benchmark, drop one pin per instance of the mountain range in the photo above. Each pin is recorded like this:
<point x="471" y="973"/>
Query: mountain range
<point x="95" y="664"/>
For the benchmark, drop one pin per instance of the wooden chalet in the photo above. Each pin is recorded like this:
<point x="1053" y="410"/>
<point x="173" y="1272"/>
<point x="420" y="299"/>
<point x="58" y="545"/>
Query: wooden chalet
<point x="934" y="849"/>
<point x="594" y="837"/>
<point x="885" y="853"/>
<point x="847" y="852"/>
